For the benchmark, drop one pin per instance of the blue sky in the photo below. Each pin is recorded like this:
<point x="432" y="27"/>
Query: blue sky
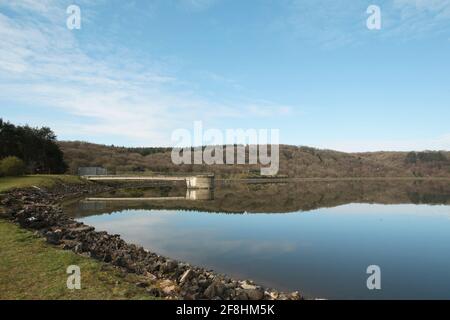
<point x="137" y="70"/>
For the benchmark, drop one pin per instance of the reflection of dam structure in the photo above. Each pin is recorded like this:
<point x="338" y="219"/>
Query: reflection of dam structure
<point x="236" y="197"/>
<point x="92" y="205"/>
<point x="191" y="194"/>
<point x="199" y="194"/>
<point x="205" y="181"/>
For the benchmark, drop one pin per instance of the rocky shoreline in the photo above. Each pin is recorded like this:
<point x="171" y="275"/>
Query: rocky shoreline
<point x="39" y="209"/>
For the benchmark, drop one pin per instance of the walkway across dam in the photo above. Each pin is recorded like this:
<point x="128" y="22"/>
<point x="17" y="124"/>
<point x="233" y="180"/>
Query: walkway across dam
<point x="192" y="182"/>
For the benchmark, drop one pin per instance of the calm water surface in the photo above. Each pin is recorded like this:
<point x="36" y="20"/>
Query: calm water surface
<point x="317" y="238"/>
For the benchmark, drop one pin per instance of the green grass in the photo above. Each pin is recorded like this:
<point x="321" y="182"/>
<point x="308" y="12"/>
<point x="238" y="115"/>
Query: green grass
<point x="8" y="183"/>
<point x="32" y="269"/>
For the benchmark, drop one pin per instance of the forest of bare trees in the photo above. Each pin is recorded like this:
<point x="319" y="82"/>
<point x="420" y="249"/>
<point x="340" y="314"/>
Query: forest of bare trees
<point x="294" y="162"/>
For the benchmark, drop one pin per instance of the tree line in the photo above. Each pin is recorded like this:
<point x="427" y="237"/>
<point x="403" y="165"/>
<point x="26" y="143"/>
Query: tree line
<point x="36" y="147"/>
<point x="426" y="156"/>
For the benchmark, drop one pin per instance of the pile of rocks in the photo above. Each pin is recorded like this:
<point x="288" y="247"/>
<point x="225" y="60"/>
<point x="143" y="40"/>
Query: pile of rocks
<point x="38" y="209"/>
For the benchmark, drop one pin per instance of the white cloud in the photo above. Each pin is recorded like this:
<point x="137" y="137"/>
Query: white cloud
<point x="411" y="19"/>
<point x="42" y="63"/>
<point x="439" y="7"/>
<point x="343" y="22"/>
<point x="119" y="95"/>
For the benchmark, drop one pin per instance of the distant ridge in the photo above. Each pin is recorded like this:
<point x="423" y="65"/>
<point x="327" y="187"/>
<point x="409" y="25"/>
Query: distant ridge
<point x="298" y="162"/>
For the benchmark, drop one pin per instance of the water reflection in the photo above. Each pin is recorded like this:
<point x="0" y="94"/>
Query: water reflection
<point x="199" y="194"/>
<point x="232" y="197"/>
<point x="402" y="226"/>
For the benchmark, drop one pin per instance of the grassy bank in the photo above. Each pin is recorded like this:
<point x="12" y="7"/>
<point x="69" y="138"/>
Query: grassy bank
<point x="32" y="269"/>
<point x="8" y="183"/>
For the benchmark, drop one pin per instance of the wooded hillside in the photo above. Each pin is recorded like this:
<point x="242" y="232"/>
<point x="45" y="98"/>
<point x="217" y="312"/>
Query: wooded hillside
<point x="294" y="162"/>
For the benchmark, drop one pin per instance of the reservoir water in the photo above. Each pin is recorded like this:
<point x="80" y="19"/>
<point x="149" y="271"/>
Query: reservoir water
<point x="315" y="237"/>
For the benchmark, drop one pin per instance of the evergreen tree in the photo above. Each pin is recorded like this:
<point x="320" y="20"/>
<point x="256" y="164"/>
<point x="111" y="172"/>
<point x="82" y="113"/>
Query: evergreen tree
<point x="35" y="146"/>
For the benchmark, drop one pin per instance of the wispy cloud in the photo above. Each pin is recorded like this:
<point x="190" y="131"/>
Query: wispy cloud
<point x="197" y="4"/>
<point x="418" y="18"/>
<point x="440" y="8"/>
<point x="108" y="92"/>
<point x="41" y="63"/>
<point x="343" y="22"/>
<point x="328" y="23"/>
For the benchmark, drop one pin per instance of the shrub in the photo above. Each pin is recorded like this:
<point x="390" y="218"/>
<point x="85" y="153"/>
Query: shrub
<point x="431" y="156"/>
<point x="426" y="156"/>
<point x="411" y="157"/>
<point x="12" y="166"/>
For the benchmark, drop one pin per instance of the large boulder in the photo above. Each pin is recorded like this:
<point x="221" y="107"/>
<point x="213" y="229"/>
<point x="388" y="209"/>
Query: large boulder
<point x="215" y="289"/>
<point x="54" y="237"/>
<point x="187" y="276"/>
<point x="254" y="294"/>
<point x="169" y="266"/>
